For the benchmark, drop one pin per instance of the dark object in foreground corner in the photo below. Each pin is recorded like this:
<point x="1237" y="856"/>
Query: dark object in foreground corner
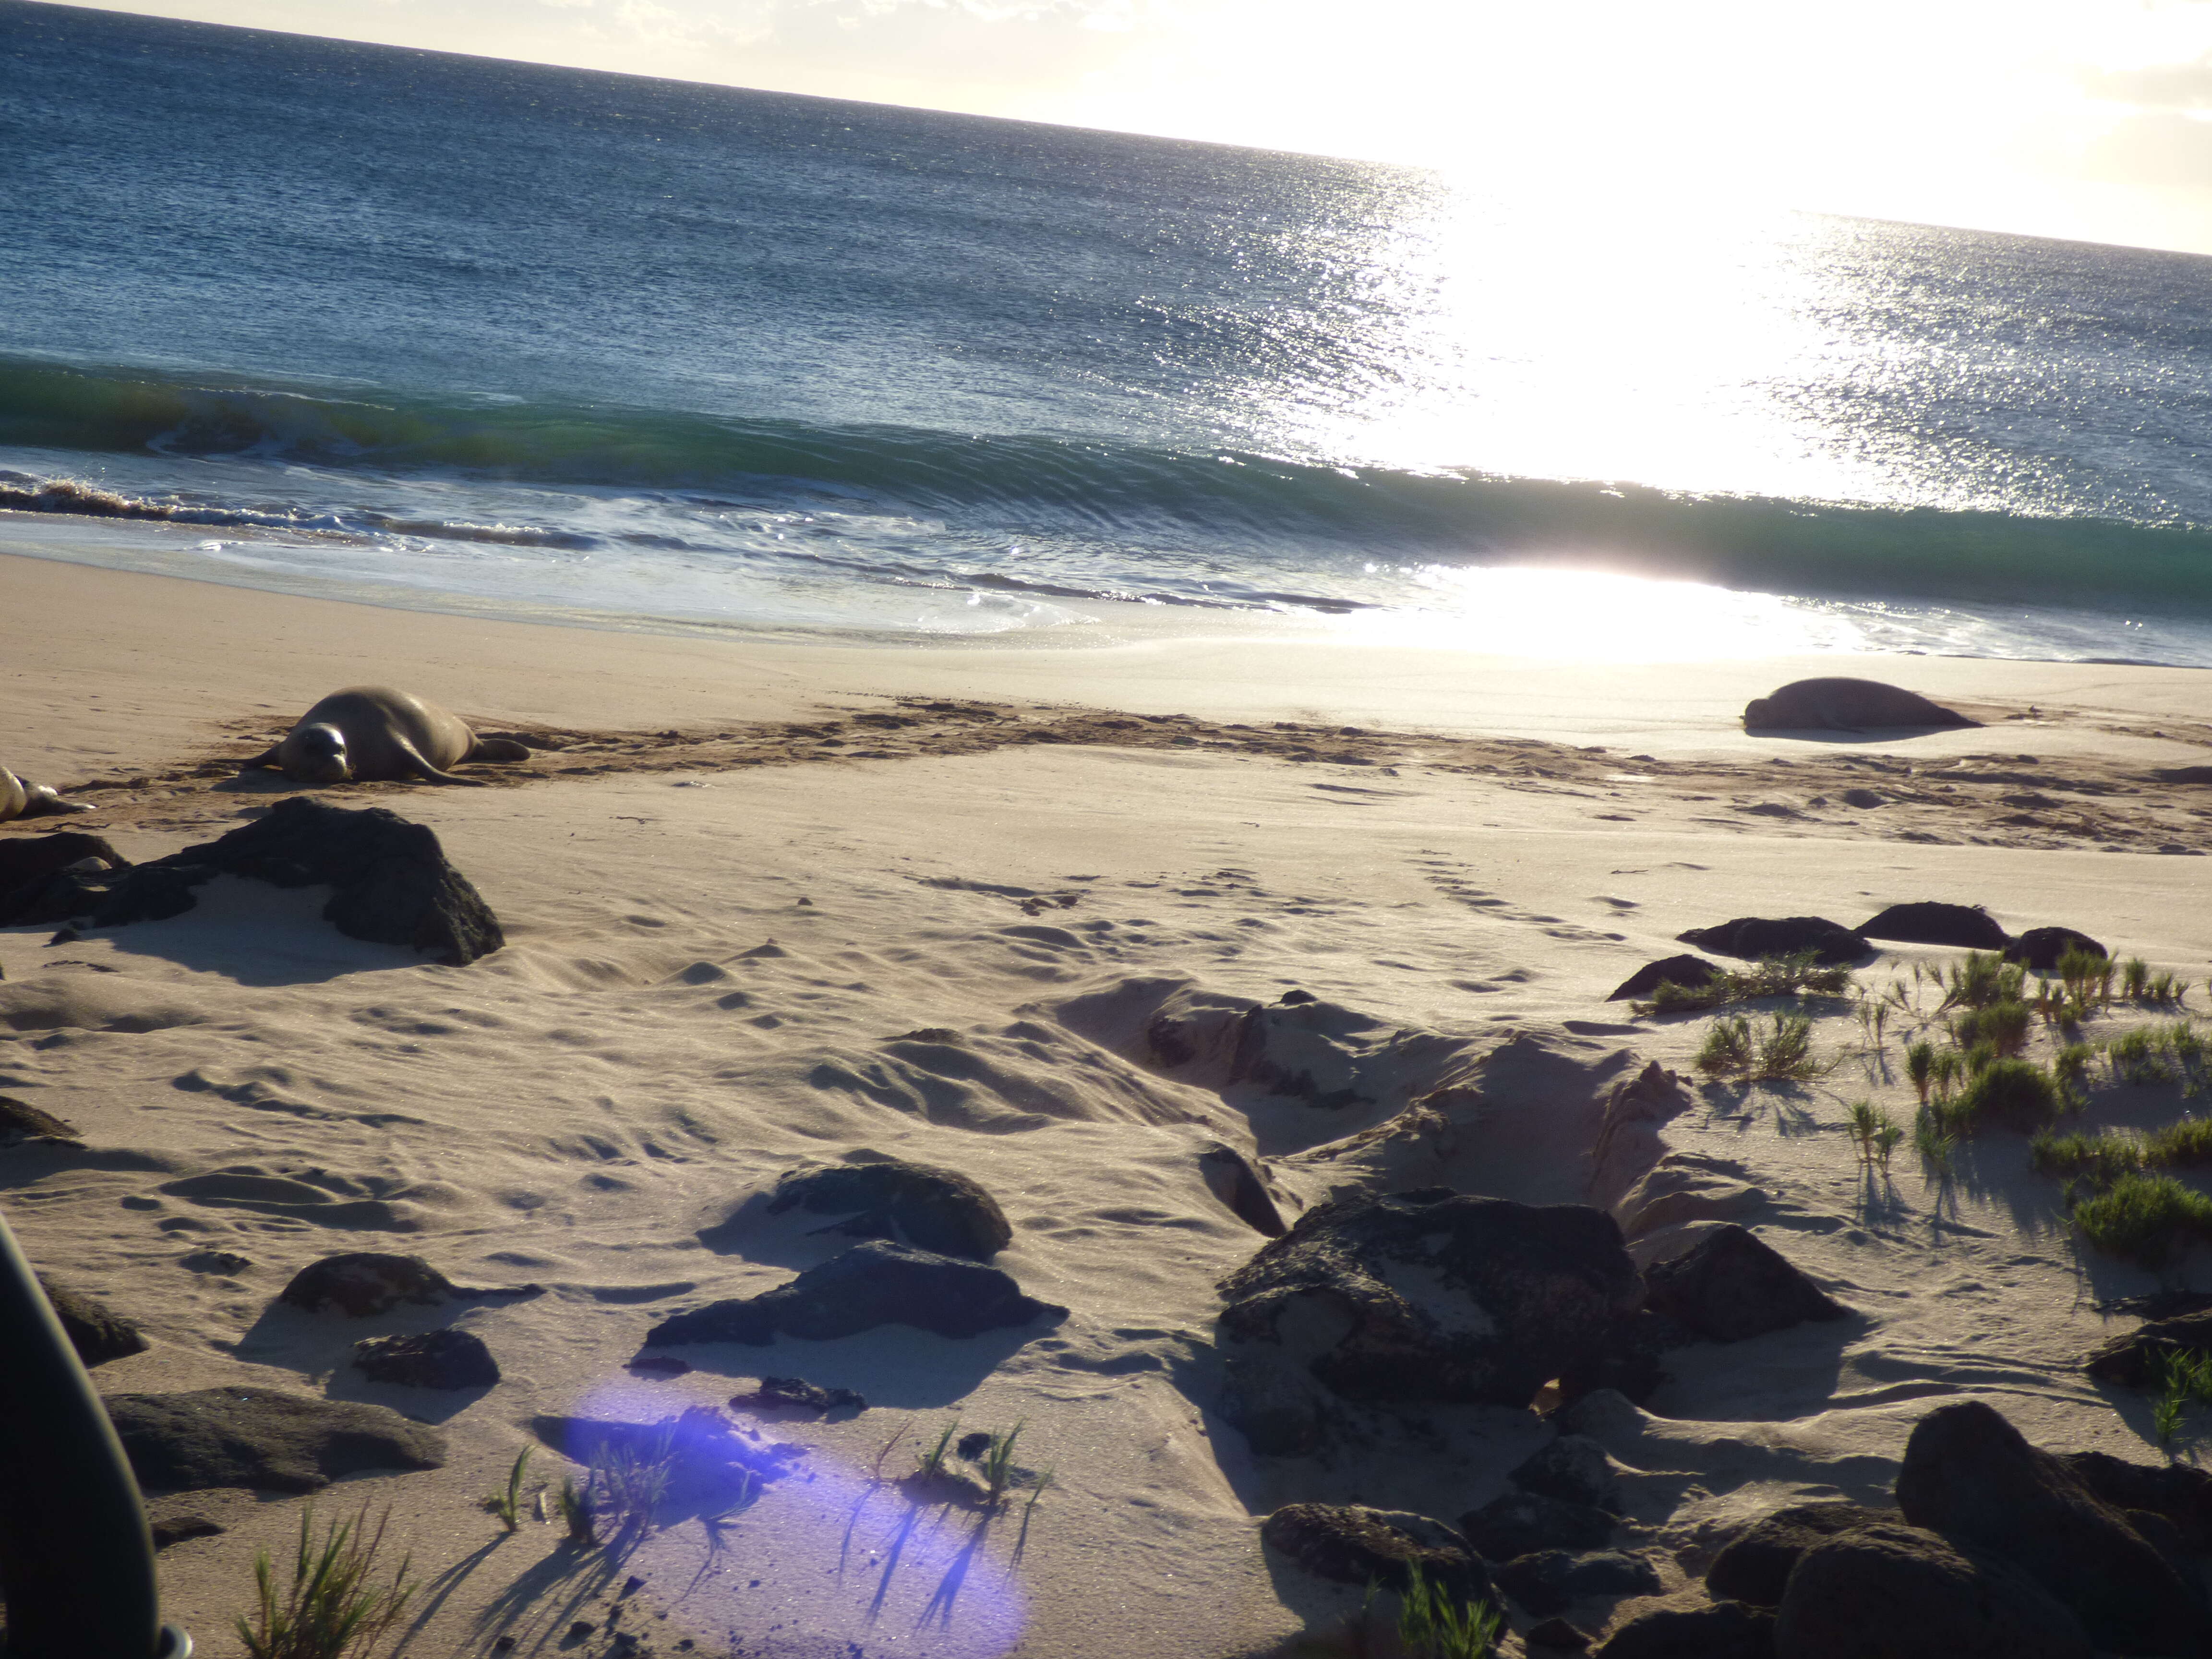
<point x="1833" y="944"/>
<point x="76" y="1559"/>
<point x="391" y="883"/>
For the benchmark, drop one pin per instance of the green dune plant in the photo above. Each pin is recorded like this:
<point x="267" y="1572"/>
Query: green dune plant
<point x="337" y="1605"/>
<point x="1920" y="1068"/>
<point x="2180" y="1378"/>
<point x="2016" y="1091"/>
<point x="1434" y="1624"/>
<point x="1934" y="1138"/>
<point x="1797" y="976"/>
<point x="1982" y="978"/>
<point x="2146" y="1219"/>
<point x="508" y="1505"/>
<point x="1875" y="1132"/>
<point x="931" y="1463"/>
<point x="2087" y="979"/>
<point x="2003" y="1025"/>
<point x="999" y="1471"/>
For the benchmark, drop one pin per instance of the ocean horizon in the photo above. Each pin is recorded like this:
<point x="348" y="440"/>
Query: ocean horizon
<point x="466" y="333"/>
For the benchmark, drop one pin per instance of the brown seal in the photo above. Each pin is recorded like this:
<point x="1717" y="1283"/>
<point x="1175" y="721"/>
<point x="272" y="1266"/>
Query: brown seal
<point x="369" y="732"/>
<point x="1845" y="705"/>
<point x="21" y="798"/>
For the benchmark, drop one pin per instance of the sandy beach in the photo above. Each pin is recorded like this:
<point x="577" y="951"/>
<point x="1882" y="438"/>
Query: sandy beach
<point x="770" y="903"/>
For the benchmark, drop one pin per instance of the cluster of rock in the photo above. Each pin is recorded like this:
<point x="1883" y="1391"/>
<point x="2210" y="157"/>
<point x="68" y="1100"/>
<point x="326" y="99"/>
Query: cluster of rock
<point x="390" y="881"/>
<point x="1434" y="1296"/>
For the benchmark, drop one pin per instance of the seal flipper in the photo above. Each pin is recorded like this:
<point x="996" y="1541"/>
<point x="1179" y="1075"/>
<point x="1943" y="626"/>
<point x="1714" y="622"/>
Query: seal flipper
<point x="43" y="801"/>
<point x="266" y="760"/>
<point x="498" y="749"/>
<point x="412" y="758"/>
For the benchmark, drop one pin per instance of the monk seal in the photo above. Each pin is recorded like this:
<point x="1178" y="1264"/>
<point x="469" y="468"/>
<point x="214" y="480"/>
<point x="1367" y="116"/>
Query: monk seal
<point x="21" y="798"/>
<point x="1845" y="705"/>
<point x="369" y="732"/>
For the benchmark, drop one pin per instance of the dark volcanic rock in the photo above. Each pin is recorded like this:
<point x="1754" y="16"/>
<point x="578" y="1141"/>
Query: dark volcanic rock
<point x="1423" y="1296"/>
<point x="1574" y="1469"/>
<point x="916" y="1204"/>
<point x="1904" y="1593"/>
<point x="1692" y="971"/>
<point x="1229" y="1176"/>
<point x="1932" y="923"/>
<point x="1731" y="1285"/>
<point x="262" y="1438"/>
<point x="21" y="1122"/>
<point x="869" y="1285"/>
<point x="29" y="866"/>
<point x="1349" y="1545"/>
<point x="1969" y="1474"/>
<point x="2041" y="947"/>
<point x="1556" y="1635"/>
<point x="1755" y="1564"/>
<point x="1551" y="1581"/>
<point x="364" y="1282"/>
<point x="97" y="1333"/>
<point x="2177" y="1493"/>
<point x="1755" y="936"/>
<point x="391" y="882"/>
<point x="2131" y="1360"/>
<point x="434" y="1359"/>
<point x="1726" y="1629"/>
<point x="173" y="1526"/>
<point x="796" y="1394"/>
<point x="1520" y="1522"/>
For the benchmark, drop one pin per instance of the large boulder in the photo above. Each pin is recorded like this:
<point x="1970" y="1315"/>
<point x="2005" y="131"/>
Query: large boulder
<point x="1972" y="1476"/>
<point x="1756" y="937"/>
<point x="444" y="1359"/>
<point x="1549" y="1581"/>
<point x="1900" y="1592"/>
<point x="916" y="1204"/>
<point x="1754" y="1565"/>
<point x="869" y="1285"/>
<point x="390" y="879"/>
<point x="1836" y="702"/>
<point x="29" y="866"/>
<point x="1687" y="971"/>
<point x="2041" y="947"/>
<point x="1731" y="1285"/>
<point x="1722" y="1629"/>
<point x="1349" y="1544"/>
<point x="1424" y="1297"/>
<point x="262" y="1438"/>
<point x="1932" y="923"/>
<point x="94" y="1330"/>
<point x="359" y="1282"/>
<point x="1518" y="1523"/>
<point x="1575" y="1469"/>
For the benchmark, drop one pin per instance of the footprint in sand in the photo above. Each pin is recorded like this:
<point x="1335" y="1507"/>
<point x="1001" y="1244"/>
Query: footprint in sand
<point x="1449" y="880"/>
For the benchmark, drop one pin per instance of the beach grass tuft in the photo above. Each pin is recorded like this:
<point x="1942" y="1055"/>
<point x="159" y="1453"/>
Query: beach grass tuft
<point x="1434" y="1624"/>
<point x="508" y="1505"/>
<point x="2144" y="1218"/>
<point x="337" y="1606"/>
<point x="1797" y="976"/>
<point x="2018" y="1091"/>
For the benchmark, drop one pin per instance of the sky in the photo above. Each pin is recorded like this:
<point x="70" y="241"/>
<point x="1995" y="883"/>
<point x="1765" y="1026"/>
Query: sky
<point x="2083" y="118"/>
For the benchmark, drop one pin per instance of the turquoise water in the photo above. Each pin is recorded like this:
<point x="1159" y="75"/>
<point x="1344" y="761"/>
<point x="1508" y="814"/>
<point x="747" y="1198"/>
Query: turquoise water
<point x="485" y="331"/>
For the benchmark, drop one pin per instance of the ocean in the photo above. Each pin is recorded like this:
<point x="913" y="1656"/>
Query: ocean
<point x="450" y="331"/>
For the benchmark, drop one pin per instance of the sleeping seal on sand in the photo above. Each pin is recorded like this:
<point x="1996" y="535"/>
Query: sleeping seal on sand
<point x="369" y="732"/>
<point x="21" y="798"/>
<point x="1845" y="705"/>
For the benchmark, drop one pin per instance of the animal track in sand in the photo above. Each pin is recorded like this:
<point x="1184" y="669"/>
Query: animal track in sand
<point x="1443" y="874"/>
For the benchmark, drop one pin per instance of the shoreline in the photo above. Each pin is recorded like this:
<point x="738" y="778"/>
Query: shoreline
<point x="741" y="950"/>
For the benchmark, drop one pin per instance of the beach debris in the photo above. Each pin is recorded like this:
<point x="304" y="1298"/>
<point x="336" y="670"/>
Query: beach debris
<point x="1686" y="971"/>
<point x="1830" y="943"/>
<point x="1574" y="1469"/>
<point x="444" y="1359"/>
<point x="1549" y="1581"/>
<point x="1518" y="1523"/>
<point x="1909" y="1592"/>
<point x="796" y="1394"/>
<point x="359" y="1282"/>
<point x="1731" y="1285"/>
<point x="391" y="880"/>
<point x="96" y="1331"/>
<point x="1970" y="1476"/>
<point x="931" y="1208"/>
<point x="2042" y="947"/>
<point x="1864" y="799"/>
<point x="1840" y="704"/>
<point x="224" y="1262"/>
<point x="1427" y="1296"/>
<point x="23" y="1123"/>
<point x="262" y="1438"/>
<point x="869" y="1285"/>
<point x="698" y="1458"/>
<point x="1351" y="1544"/>
<point x="1932" y="923"/>
<point x="1237" y="1181"/>
<point x="1755" y="1564"/>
